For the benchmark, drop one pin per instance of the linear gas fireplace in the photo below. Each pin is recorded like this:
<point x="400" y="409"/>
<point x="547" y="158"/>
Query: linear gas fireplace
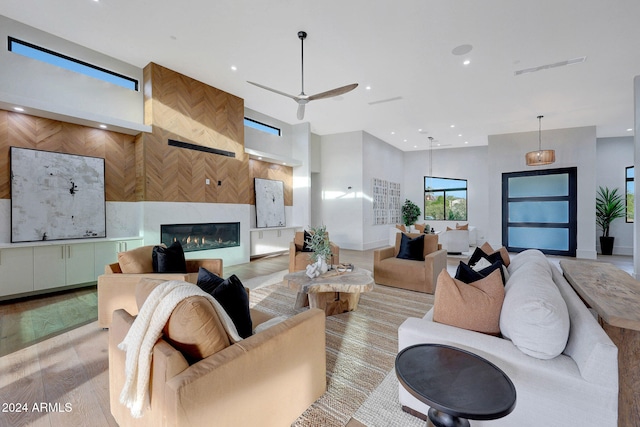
<point x="200" y="237"/>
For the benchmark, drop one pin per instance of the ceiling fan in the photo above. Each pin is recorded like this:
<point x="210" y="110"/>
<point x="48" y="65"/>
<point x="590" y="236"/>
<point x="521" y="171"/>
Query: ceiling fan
<point x="303" y="99"/>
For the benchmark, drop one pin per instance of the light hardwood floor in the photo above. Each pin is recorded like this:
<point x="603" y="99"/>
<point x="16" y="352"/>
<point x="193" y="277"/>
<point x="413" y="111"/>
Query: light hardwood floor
<point x="60" y="371"/>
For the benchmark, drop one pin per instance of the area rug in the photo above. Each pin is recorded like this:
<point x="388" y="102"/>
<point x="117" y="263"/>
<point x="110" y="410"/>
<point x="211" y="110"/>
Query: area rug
<point x="361" y="346"/>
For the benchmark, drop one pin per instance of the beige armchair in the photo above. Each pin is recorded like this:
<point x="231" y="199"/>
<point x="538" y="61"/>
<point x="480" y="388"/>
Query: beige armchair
<point x="267" y="379"/>
<point x="116" y="289"/>
<point x="408" y="274"/>
<point x="298" y="260"/>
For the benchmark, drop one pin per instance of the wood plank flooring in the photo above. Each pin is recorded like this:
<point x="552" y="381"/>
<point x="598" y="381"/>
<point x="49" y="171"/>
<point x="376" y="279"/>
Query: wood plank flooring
<point x="46" y="360"/>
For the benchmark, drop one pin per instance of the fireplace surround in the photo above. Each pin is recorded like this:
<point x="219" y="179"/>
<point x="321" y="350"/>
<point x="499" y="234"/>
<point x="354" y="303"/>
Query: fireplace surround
<point x="201" y="236"/>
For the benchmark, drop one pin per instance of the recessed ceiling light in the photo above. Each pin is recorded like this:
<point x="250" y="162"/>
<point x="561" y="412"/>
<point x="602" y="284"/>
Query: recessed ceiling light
<point x="420" y="130"/>
<point x="234" y="68"/>
<point x="438" y="145"/>
<point x="453" y="126"/>
<point x="629" y="130"/>
<point x="368" y="88"/>
<point x="466" y="62"/>
<point x="415" y="146"/>
<point x="18" y="109"/>
<point x="103" y="126"/>
<point x="284" y="163"/>
<point x="466" y="142"/>
<point x="259" y="158"/>
<point x="404" y="140"/>
<point x="459" y="134"/>
<point x="393" y="133"/>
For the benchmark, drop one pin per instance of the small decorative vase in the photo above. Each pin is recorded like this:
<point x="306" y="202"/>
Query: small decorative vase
<point x="322" y="265"/>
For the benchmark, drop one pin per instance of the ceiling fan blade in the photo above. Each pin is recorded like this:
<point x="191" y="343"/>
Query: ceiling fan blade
<point x="295" y="98"/>
<point x="301" y="111"/>
<point x="334" y="92"/>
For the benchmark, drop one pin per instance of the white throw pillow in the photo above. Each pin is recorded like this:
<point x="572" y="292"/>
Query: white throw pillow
<point x="534" y="316"/>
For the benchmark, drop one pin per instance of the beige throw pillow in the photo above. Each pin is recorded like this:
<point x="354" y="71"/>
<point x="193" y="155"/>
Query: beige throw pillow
<point x="504" y="254"/>
<point x="475" y="306"/>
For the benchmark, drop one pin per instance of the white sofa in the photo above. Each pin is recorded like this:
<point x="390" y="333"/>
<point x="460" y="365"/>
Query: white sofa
<point x="576" y="388"/>
<point x="455" y="241"/>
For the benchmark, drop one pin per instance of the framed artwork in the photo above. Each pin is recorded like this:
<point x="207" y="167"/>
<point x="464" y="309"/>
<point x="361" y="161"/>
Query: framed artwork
<point x="269" y="203"/>
<point x="56" y="196"/>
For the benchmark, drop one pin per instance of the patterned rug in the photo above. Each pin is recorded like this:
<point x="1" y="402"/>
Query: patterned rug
<point x="361" y="346"/>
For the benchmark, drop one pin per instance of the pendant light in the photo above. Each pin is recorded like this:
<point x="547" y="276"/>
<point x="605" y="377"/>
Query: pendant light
<point x="430" y="197"/>
<point x="540" y="157"/>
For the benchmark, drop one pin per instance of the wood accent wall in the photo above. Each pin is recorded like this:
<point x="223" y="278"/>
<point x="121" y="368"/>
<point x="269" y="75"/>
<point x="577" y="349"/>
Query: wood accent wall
<point x="274" y="171"/>
<point x="181" y="108"/>
<point x="22" y="130"/>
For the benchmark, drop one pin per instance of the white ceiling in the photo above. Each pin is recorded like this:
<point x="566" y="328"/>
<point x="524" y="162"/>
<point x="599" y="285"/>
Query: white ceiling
<point x="399" y="49"/>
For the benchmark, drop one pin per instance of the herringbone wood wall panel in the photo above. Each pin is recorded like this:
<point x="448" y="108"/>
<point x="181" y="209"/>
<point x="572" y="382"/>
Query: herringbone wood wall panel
<point x="183" y="109"/>
<point x="272" y="171"/>
<point x="22" y="130"/>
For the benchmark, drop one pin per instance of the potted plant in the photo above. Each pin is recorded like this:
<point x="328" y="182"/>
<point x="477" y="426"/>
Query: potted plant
<point x="609" y="206"/>
<point x="410" y="213"/>
<point x="318" y="242"/>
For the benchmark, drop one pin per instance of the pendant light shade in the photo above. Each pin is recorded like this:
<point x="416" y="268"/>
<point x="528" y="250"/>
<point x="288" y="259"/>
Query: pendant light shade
<point x="540" y="157"/>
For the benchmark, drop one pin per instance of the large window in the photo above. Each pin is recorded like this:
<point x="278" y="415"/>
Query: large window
<point x="445" y="199"/>
<point x="630" y="192"/>
<point x="68" y="63"/>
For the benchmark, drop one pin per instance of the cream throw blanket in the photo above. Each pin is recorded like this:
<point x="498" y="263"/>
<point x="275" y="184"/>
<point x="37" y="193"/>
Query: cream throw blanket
<point x="145" y="331"/>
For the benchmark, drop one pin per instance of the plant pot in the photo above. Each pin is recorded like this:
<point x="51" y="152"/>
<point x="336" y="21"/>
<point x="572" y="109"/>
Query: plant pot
<point x="606" y="245"/>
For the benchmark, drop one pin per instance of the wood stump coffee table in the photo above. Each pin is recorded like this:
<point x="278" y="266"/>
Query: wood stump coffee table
<point x="457" y="385"/>
<point x="334" y="292"/>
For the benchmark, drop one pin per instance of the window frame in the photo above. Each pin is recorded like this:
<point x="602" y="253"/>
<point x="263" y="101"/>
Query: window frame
<point x="120" y="79"/>
<point x="262" y="127"/>
<point x="444" y="191"/>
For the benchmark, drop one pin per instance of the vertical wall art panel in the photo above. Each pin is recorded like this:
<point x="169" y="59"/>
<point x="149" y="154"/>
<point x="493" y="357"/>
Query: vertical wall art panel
<point x="395" y="205"/>
<point x="380" y="201"/>
<point x="56" y="196"/>
<point x="269" y="203"/>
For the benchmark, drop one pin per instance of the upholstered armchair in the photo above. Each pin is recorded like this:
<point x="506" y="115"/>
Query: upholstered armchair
<point x="411" y="274"/>
<point x="299" y="259"/>
<point x="116" y="287"/>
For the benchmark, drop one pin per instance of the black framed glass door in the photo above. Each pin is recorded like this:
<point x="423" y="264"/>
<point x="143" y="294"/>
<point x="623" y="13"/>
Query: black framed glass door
<point x="539" y="210"/>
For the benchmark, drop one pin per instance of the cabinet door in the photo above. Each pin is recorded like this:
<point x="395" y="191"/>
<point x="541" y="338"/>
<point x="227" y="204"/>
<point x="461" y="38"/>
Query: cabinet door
<point x="80" y="263"/>
<point x="105" y="253"/>
<point x="49" y="270"/>
<point x="16" y="271"/>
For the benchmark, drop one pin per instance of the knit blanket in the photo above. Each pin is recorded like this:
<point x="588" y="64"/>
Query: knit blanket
<point x="147" y="329"/>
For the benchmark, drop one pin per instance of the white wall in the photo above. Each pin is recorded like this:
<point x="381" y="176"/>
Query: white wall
<point x="460" y="163"/>
<point x="614" y="155"/>
<point x="43" y="88"/>
<point x="301" y="150"/>
<point x="342" y="207"/>
<point x="574" y="147"/>
<point x="383" y="161"/>
<point x="280" y="146"/>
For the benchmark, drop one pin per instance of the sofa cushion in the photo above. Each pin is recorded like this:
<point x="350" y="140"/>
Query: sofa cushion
<point x="475" y="306"/>
<point x="169" y="260"/>
<point x="233" y="297"/>
<point x="504" y="253"/>
<point x="534" y="315"/>
<point x="466" y="274"/>
<point x="305" y="242"/>
<point x="195" y="329"/>
<point x="411" y="248"/>
<point x="479" y="254"/>
<point x="401" y="227"/>
<point x="208" y="281"/>
<point x="136" y="261"/>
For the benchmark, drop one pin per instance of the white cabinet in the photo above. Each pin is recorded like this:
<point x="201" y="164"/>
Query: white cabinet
<point x="107" y="252"/>
<point x="63" y="265"/>
<point x="271" y="240"/>
<point x="16" y="270"/>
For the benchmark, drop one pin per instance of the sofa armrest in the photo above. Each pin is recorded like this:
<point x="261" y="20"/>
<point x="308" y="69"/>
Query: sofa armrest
<point x="214" y="265"/>
<point x="434" y="263"/>
<point x="279" y="371"/>
<point x="335" y="251"/>
<point x="384" y="253"/>
<point x="292" y="256"/>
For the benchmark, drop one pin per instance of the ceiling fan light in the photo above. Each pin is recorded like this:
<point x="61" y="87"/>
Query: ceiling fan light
<point x="540" y="157"/>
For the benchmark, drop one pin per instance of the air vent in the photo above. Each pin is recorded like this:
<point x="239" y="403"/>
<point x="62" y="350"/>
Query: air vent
<point x="549" y="66"/>
<point x="382" y="101"/>
<point x="195" y="147"/>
